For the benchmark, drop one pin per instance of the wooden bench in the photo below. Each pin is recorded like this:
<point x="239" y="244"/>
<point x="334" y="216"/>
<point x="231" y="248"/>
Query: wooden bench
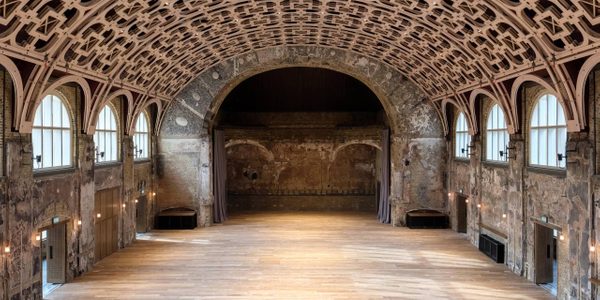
<point x="176" y="218"/>
<point x="426" y="218"/>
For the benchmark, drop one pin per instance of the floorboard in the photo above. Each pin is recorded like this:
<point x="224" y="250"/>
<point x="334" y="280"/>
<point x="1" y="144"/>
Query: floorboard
<point x="300" y="256"/>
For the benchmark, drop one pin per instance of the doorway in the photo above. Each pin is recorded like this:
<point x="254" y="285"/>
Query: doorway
<point x="546" y="265"/>
<point x="461" y="213"/>
<point x="53" y="245"/>
<point x="106" y="209"/>
<point x="141" y="219"/>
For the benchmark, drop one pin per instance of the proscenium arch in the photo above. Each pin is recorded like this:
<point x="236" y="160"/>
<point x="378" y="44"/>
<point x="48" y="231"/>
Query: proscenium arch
<point x="391" y="88"/>
<point x="220" y="98"/>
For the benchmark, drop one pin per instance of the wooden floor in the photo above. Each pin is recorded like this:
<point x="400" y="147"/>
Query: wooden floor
<point x="300" y="256"/>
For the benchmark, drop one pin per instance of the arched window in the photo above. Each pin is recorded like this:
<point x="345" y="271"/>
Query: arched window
<point x="497" y="135"/>
<point x="141" y="142"/>
<point x="462" y="137"/>
<point x="548" y="133"/>
<point x="51" y="134"/>
<point x="105" y="137"/>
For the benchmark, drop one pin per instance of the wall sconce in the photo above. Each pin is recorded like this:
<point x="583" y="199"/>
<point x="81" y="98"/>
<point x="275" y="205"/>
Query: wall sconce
<point x="79" y="222"/>
<point x="592" y="248"/>
<point x="136" y="200"/>
<point x="99" y="154"/>
<point x="7" y="249"/>
<point x="478" y="205"/>
<point x="99" y="215"/>
<point x="124" y="205"/>
<point x="561" y="237"/>
<point x="37" y="159"/>
<point x="503" y="216"/>
<point x="466" y="151"/>
<point x="506" y="154"/>
<point x="38" y="237"/>
<point x="137" y="152"/>
<point x="467" y="200"/>
<point x="153" y="193"/>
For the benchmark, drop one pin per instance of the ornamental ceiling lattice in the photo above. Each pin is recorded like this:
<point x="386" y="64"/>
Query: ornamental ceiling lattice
<point x="159" y="46"/>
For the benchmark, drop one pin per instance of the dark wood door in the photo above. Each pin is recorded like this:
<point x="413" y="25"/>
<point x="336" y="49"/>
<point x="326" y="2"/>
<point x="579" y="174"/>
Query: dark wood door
<point x="461" y="214"/>
<point x="106" y="210"/>
<point x="56" y="253"/>
<point x="141" y="216"/>
<point x="544" y="254"/>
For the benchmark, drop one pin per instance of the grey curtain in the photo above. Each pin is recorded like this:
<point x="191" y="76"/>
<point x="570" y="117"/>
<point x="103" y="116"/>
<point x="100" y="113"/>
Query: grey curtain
<point x="220" y="177"/>
<point x="384" y="202"/>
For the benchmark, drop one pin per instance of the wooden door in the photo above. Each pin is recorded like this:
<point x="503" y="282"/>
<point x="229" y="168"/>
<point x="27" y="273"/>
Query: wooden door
<point x="141" y="217"/>
<point x="106" y="203"/>
<point x="56" y="253"/>
<point x="461" y="213"/>
<point x="544" y="254"/>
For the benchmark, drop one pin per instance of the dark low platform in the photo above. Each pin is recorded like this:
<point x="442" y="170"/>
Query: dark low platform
<point x="176" y="218"/>
<point x="426" y="219"/>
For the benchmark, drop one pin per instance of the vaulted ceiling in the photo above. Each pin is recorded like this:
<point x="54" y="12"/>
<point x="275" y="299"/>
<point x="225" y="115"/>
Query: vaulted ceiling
<point x="446" y="47"/>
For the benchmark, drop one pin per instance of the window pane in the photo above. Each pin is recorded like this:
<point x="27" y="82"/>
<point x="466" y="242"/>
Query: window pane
<point x="543" y="147"/>
<point x="66" y="119"/>
<point x="47" y="111"/>
<point x="552" y="147"/>
<point x="46" y="148"/>
<point x="534" y="117"/>
<point x="66" y="147"/>
<point x="56" y="148"/>
<point x="56" y="112"/>
<point x="37" y="121"/>
<point x="562" y="143"/>
<point x="543" y="111"/>
<point x="36" y="141"/>
<point x="534" y="148"/>
<point x="561" y="116"/>
<point x="552" y="114"/>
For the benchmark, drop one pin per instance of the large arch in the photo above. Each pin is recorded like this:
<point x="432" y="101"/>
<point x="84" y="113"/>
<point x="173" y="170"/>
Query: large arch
<point x="188" y="121"/>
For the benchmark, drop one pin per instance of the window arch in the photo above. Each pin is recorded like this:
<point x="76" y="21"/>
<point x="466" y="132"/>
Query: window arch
<point x="141" y="141"/>
<point x="462" y="137"/>
<point x="548" y="133"/>
<point x="496" y="135"/>
<point x="106" y="137"/>
<point x="51" y="134"/>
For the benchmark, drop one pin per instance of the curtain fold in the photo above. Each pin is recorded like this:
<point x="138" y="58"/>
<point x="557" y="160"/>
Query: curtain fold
<point x="220" y="177"/>
<point x="383" y="214"/>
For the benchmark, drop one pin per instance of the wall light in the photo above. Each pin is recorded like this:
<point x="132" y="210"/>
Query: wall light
<point x="99" y="215"/>
<point x="503" y="216"/>
<point x="7" y="249"/>
<point x="592" y="248"/>
<point x="38" y="237"/>
<point x="561" y="237"/>
<point x="466" y="200"/>
<point x="449" y="194"/>
<point x="79" y="222"/>
<point x="124" y="205"/>
<point x="478" y="205"/>
<point x="136" y="200"/>
<point x="153" y="193"/>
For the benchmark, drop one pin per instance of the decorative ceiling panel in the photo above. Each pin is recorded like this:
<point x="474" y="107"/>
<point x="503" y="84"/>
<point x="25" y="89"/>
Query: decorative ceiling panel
<point x="444" y="46"/>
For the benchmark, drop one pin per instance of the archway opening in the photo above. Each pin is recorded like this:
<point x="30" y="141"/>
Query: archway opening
<point x="301" y="139"/>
